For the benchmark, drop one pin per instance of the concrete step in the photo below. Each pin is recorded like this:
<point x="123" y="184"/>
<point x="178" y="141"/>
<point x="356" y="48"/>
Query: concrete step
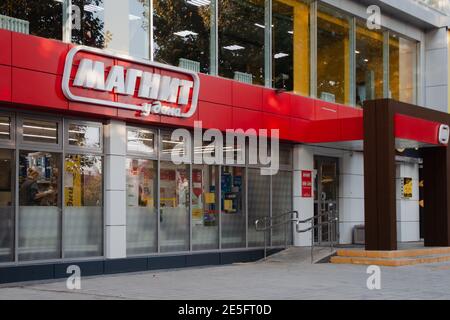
<point x="400" y="259"/>
<point x="360" y="253"/>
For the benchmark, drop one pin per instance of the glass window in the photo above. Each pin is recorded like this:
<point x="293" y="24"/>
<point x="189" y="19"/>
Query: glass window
<point x="41" y="131"/>
<point x="258" y="205"/>
<point x="285" y="154"/>
<point x="84" y="136"/>
<point x="83" y="199"/>
<point x="241" y="40"/>
<point x="168" y="145"/>
<point x="142" y="217"/>
<point x="369" y="64"/>
<point x="205" y="218"/>
<point x="7" y="186"/>
<point x="174" y="202"/>
<point x="290" y="46"/>
<point x="39" y="201"/>
<point x="402" y="69"/>
<point x="5" y="128"/>
<point x="118" y="25"/>
<point x="233" y="210"/>
<point x="281" y="203"/>
<point x="41" y="18"/>
<point x="182" y="33"/>
<point x="333" y="56"/>
<point x="140" y="140"/>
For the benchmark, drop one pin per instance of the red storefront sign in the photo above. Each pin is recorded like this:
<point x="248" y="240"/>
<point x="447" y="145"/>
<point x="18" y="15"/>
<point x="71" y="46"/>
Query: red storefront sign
<point x="306" y="184"/>
<point x="100" y="77"/>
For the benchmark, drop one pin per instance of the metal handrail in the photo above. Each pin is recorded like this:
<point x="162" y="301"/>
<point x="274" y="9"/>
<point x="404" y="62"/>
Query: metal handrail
<point x="269" y="225"/>
<point x="294" y="218"/>
<point x="330" y="221"/>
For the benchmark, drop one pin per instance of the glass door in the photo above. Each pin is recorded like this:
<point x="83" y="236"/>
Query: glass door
<point x="326" y="192"/>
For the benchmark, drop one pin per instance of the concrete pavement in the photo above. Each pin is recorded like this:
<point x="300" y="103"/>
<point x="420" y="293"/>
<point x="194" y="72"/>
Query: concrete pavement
<point x="274" y="279"/>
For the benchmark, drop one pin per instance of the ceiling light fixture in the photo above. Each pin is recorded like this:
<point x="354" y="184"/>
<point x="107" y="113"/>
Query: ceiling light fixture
<point x="185" y="33"/>
<point x="199" y="3"/>
<point x="234" y="47"/>
<point x="93" y="8"/>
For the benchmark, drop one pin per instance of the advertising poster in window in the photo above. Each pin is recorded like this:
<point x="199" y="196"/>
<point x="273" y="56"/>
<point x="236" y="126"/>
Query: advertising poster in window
<point x="168" y="188"/>
<point x="182" y="187"/>
<point x="231" y="183"/>
<point x="133" y="185"/>
<point x="72" y="182"/>
<point x="197" y="199"/>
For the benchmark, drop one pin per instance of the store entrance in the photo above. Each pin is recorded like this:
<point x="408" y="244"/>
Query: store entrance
<point x="326" y="190"/>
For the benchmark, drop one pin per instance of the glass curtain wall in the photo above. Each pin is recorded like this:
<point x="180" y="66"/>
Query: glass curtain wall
<point x="333" y="56"/>
<point x="232" y="39"/>
<point x="369" y="64"/>
<point x="290" y="46"/>
<point x="181" y="33"/>
<point x="241" y="40"/>
<point x="402" y="69"/>
<point x="122" y="26"/>
<point x="43" y="18"/>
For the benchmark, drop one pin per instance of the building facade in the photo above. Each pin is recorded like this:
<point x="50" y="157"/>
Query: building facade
<point x="87" y="176"/>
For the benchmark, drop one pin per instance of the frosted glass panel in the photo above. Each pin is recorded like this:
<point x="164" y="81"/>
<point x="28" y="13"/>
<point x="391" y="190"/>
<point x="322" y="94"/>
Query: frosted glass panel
<point x="174" y="199"/>
<point x="258" y="205"/>
<point x="281" y="203"/>
<point x="142" y="223"/>
<point x="39" y="233"/>
<point x="83" y="232"/>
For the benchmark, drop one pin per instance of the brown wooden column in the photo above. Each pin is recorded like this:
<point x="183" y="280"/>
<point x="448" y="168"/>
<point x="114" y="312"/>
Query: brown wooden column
<point x="436" y="176"/>
<point x="379" y="176"/>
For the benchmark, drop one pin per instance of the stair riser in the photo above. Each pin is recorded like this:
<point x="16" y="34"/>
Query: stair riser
<point x="392" y="254"/>
<point x="389" y="263"/>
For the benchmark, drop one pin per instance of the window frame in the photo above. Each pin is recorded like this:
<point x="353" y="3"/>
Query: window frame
<point x="27" y="145"/>
<point x="11" y="142"/>
<point x="68" y="148"/>
<point x="141" y="154"/>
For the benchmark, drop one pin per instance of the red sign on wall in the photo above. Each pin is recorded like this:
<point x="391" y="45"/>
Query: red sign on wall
<point x="306" y="184"/>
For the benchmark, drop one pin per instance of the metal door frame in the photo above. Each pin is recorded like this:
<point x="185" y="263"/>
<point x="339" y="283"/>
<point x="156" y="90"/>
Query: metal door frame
<point x="320" y="204"/>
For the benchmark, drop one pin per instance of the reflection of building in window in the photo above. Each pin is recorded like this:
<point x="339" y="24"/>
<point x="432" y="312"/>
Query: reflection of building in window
<point x="290" y="63"/>
<point x="241" y="38"/>
<point x="333" y="56"/>
<point x="182" y="32"/>
<point x="369" y="64"/>
<point x="38" y="179"/>
<point x="83" y="181"/>
<point x="402" y="69"/>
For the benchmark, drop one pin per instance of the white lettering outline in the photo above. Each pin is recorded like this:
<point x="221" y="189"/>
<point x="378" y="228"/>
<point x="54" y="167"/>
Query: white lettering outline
<point x="104" y="53"/>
